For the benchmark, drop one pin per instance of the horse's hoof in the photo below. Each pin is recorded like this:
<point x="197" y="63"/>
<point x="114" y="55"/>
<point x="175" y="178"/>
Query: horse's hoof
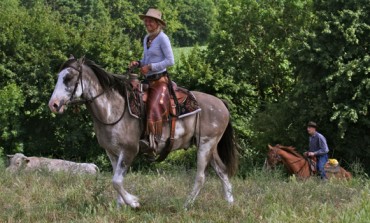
<point x="135" y="205"/>
<point x="188" y="205"/>
<point x="230" y="200"/>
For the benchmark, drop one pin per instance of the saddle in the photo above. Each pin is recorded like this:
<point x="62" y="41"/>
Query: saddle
<point x="138" y="95"/>
<point x="329" y="168"/>
<point x="312" y="162"/>
<point x="164" y="109"/>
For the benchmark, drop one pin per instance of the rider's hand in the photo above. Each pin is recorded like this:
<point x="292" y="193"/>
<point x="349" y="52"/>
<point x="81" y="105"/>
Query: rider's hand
<point x="145" y="69"/>
<point x="310" y="154"/>
<point x="134" y="64"/>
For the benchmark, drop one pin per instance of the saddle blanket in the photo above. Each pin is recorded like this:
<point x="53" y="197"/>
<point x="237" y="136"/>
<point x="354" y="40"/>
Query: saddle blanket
<point x="331" y="169"/>
<point x="136" y="98"/>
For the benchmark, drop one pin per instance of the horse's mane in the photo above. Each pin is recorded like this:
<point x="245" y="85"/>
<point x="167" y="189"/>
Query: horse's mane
<point x="106" y="79"/>
<point x="289" y="149"/>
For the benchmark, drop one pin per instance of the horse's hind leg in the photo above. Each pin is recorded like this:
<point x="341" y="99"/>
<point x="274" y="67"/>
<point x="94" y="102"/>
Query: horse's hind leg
<point x="222" y="174"/>
<point x="203" y="157"/>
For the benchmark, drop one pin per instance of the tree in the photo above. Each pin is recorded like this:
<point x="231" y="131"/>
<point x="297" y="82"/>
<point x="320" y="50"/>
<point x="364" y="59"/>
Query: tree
<point x="252" y="47"/>
<point x="334" y="77"/>
<point x="197" y="19"/>
<point x="36" y="38"/>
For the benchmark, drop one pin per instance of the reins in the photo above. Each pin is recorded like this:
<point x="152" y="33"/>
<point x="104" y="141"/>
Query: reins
<point x="296" y="161"/>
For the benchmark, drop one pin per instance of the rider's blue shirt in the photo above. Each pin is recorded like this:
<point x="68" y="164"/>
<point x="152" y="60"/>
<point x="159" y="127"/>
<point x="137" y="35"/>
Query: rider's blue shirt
<point x="159" y="54"/>
<point x="318" y="144"/>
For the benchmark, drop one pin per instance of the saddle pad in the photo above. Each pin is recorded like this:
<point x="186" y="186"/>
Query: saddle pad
<point x="332" y="169"/>
<point x="188" y="105"/>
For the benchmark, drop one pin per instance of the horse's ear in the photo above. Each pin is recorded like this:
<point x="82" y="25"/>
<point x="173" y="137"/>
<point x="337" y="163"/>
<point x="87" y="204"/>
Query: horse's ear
<point x="270" y="147"/>
<point x="71" y="57"/>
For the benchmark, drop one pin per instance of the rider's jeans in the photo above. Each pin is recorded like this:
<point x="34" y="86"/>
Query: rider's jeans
<point x="321" y="161"/>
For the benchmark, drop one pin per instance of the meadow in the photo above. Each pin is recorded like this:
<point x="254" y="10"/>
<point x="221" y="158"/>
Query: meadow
<point x="260" y="197"/>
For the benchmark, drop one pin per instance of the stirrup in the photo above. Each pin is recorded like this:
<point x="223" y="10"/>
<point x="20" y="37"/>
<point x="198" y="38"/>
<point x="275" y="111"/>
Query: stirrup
<point x="151" y="156"/>
<point x="144" y="146"/>
<point x="149" y="153"/>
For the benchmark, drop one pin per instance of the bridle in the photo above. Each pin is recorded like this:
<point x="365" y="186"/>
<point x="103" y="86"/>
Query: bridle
<point x="79" y="101"/>
<point x="276" y="156"/>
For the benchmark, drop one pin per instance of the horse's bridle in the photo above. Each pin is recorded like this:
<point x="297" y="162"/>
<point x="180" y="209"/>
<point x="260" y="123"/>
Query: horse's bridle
<point x="277" y="156"/>
<point x="79" y="101"/>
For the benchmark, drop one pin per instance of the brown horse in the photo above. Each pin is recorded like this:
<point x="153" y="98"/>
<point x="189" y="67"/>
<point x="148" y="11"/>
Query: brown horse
<point x="119" y="133"/>
<point x="300" y="165"/>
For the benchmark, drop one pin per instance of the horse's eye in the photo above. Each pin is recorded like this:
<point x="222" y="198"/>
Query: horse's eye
<point x="67" y="78"/>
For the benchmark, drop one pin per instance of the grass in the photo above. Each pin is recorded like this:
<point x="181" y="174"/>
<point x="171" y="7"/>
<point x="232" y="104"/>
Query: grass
<point x="178" y="51"/>
<point x="261" y="197"/>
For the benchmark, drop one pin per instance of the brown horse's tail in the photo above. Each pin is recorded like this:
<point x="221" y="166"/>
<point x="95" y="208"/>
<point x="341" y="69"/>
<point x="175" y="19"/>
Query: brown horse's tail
<point x="227" y="151"/>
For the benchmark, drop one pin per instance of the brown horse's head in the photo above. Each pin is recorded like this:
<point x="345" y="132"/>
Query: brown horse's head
<point x="273" y="158"/>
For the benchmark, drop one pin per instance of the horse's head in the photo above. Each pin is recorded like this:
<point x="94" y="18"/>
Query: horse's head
<point x="273" y="158"/>
<point x="68" y="86"/>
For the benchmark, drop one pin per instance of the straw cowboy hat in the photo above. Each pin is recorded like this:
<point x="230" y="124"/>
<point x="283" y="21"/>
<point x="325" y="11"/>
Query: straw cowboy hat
<point x="155" y="14"/>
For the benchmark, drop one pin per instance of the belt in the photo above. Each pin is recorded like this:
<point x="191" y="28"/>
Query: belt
<point x="155" y="77"/>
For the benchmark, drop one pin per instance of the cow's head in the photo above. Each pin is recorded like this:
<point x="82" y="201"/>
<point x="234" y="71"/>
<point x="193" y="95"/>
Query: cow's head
<point x="17" y="162"/>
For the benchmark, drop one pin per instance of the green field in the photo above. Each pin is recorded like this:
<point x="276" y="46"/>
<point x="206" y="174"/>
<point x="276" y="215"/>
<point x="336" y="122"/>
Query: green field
<point x="261" y="197"/>
<point x="179" y="51"/>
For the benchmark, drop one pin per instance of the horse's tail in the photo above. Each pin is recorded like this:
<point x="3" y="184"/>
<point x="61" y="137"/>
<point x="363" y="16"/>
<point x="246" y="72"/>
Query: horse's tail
<point x="227" y="149"/>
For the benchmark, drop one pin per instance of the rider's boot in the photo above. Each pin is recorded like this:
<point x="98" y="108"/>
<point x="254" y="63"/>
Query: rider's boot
<point x="149" y="148"/>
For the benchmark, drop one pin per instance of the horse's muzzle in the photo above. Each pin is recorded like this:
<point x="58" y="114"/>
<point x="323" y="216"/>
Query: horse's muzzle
<point x="56" y="106"/>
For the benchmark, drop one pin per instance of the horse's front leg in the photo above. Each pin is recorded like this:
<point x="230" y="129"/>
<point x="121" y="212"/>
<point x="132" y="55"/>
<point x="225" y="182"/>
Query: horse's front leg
<point x="120" y="171"/>
<point x="113" y="159"/>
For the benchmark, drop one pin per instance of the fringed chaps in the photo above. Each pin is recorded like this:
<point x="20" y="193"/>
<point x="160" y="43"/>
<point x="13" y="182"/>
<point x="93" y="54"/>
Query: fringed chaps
<point x="158" y="106"/>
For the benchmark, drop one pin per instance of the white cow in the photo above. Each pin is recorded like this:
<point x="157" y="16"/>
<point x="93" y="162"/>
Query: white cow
<point x="19" y="161"/>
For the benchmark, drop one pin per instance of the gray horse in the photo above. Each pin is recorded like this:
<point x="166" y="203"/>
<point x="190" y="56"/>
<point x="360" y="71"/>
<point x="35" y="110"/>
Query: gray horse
<point x="119" y="133"/>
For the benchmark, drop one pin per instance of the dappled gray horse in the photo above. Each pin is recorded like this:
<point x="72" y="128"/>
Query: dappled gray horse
<point x="119" y="133"/>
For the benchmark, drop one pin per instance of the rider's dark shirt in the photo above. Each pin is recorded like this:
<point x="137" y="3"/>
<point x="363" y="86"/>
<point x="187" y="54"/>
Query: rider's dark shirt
<point x="318" y="144"/>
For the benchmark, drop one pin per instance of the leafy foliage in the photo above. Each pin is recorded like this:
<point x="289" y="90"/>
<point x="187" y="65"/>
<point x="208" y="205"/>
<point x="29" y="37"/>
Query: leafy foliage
<point x="247" y="62"/>
<point x="332" y="82"/>
<point x="277" y="63"/>
<point x="334" y="75"/>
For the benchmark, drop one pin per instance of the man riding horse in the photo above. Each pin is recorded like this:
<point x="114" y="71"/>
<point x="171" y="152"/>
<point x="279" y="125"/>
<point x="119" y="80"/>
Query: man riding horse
<point x="157" y="57"/>
<point x="318" y="148"/>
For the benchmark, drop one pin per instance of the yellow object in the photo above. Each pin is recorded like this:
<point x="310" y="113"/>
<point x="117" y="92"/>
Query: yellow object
<point x="333" y="162"/>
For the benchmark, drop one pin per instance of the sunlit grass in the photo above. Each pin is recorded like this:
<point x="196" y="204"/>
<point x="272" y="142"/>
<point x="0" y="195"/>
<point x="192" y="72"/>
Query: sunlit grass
<point x="261" y="197"/>
<point x="183" y="51"/>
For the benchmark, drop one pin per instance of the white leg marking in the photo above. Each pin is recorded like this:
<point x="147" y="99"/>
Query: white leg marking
<point x="118" y="176"/>
<point x="224" y="180"/>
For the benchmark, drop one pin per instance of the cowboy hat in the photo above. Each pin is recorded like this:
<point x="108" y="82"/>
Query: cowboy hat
<point x="155" y="14"/>
<point x="312" y="124"/>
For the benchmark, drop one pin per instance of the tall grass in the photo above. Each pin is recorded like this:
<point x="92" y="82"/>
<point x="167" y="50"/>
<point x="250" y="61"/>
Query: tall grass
<point x="261" y="197"/>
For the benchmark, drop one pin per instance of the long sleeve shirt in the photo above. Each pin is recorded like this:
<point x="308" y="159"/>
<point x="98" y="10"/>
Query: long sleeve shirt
<point x="318" y="144"/>
<point x="159" y="54"/>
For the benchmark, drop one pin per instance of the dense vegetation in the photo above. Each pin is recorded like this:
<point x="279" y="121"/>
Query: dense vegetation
<point x="278" y="63"/>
